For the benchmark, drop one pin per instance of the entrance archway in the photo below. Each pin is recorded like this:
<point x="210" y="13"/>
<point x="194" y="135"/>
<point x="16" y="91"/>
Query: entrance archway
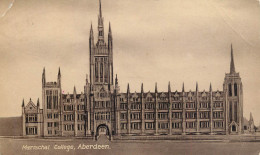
<point x="234" y="129"/>
<point x="102" y="130"/>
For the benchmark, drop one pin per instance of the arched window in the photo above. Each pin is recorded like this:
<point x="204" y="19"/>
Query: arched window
<point x="235" y="89"/>
<point x="230" y="89"/>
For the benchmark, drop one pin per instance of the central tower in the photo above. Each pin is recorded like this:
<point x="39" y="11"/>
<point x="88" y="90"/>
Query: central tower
<point x="100" y="101"/>
<point x="101" y="55"/>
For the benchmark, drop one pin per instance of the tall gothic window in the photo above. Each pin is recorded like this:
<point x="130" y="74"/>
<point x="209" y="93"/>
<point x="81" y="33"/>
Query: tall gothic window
<point x="235" y="111"/>
<point x="101" y="69"/>
<point x="96" y="70"/>
<point x="100" y="33"/>
<point x="230" y="111"/>
<point x="230" y="89"/>
<point x="235" y="89"/>
<point x="49" y="102"/>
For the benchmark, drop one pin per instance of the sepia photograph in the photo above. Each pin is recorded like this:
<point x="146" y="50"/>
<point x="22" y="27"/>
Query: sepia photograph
<point x="130" y="77"/>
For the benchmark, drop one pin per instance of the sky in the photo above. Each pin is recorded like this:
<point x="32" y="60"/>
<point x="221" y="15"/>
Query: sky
<point x="154" y="41"/>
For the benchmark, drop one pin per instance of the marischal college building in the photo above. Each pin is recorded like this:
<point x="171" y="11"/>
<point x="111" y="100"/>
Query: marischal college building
<point x="103" y="108"/>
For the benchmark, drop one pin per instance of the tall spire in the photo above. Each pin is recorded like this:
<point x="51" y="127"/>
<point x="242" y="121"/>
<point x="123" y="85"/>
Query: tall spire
<point x="183" y="87"/>
<point x="197" y="87"/>
<point x="210" y="87"/>
<point x="232" y="64"/>
<point x="142" y="88"/>
<point x="156" y="91"/>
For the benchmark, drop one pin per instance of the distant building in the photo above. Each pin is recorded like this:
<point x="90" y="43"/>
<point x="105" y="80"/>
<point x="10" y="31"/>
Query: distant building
<point x="103" y="107"/>
<point x="249" y="126"/>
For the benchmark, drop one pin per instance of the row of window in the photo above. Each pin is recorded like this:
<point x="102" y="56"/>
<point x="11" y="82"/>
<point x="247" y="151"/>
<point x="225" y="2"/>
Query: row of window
<point x="32" y="130"/>
<point x="69" y="117"/>
<point x="72" y="100"/>
<point x="175" y="125"/>
<point x="31" y="118"/>
<point x="70" y="127"/>
<point x="175" y="98"/>
<point x="175" y="115"/>
<point x="165" y="106"/>
<point x="51" y="92"/>
<point x="50" y="115"/>
<point x="102" y="115"/>
<point x="55" y="124"/>
<point x="102" y="104"/>
<point x="71" y="107"/>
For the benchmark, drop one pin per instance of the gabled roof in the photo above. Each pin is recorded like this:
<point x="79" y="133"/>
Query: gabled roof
<point x="30" y="105"/>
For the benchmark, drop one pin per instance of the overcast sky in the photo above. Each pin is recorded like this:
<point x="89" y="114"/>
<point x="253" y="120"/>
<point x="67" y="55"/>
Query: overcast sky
<point x="154" y="41"/>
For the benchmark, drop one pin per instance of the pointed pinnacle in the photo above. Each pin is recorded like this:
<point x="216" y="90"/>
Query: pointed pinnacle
<point x="23" y="103"/>
<point x="251" y="117"/>
<point x="197" y="87"/>
<point x="183" y="87"/>
<point x="142" y="88"/>
<point x="110" y="31"/>
<point x="116" y="80"/>
<point x="74" y="91"/>
<point x="156" y="87"/>
<point x="100" y="11"/>
<point x="59" y="72"/>
<point x="38" y="102"/>
<point x="210" y="87"/>
<point x="86" y="78"/>
<point x="91" y="28"/>
<point x="128" y="88"/>
<point x="232" y="64"/>
<point x="169" y="86"/>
